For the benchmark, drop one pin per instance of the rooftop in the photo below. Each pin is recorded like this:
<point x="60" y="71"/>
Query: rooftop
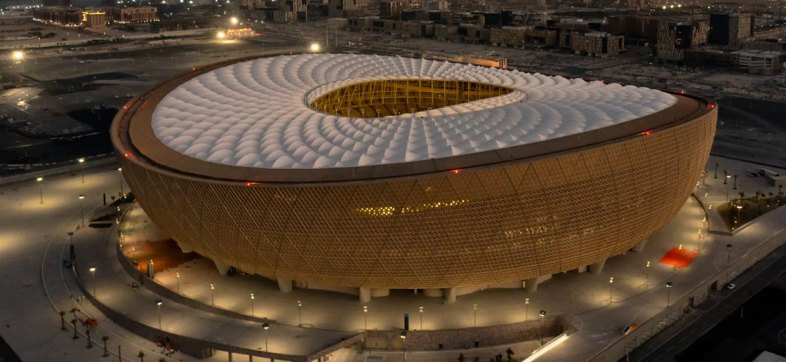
<point x="258" y="113"/>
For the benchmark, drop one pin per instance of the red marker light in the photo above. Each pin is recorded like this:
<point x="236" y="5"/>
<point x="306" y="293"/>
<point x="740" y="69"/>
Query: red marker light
<point x="456" y="171"/>
<point x="710" y="105"/>
<point x="646" y="133"/>
<point x="249" y="183"/>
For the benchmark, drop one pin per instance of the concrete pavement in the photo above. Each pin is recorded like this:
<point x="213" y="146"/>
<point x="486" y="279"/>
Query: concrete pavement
<point x="33" y="247"/>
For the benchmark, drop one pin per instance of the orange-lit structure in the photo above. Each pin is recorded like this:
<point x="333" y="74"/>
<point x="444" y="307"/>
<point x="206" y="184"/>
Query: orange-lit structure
<point x="449" y="225"/>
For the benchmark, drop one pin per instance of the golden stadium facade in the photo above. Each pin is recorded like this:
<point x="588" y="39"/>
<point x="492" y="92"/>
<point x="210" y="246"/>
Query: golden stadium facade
<point x="322" y="195"/>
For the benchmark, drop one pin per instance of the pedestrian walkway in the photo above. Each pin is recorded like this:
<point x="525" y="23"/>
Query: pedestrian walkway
<point x="599" y="310"/>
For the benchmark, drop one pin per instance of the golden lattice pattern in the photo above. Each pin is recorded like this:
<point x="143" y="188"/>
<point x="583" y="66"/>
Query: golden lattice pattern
<point x="469" y="227"/>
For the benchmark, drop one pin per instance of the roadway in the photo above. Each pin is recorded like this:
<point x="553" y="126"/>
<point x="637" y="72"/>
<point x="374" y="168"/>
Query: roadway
<point x="666" y="345"/>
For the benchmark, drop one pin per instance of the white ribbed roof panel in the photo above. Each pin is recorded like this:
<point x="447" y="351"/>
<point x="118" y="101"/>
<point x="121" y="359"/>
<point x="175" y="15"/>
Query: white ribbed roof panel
<point x="256" y="113"/>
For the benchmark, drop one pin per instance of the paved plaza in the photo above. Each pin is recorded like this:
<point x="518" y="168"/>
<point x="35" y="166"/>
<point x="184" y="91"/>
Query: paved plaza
<point x="34" y="245"/>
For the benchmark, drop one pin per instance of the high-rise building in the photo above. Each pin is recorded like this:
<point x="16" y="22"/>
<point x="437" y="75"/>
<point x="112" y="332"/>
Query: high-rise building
<point x="730" y="29"/>
<point x="674" y="37"/>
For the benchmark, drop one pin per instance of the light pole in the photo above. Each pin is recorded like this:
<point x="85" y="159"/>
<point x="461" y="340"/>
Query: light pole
<point x="728" y="254"/>
<point x="93" y="277"/>
<point x="404" y="345"/>
<point x="252" y="304"/>
<point x="365" y="317"/>
<point x="299" y="313"/>
<point x="40" y="181"/>
<point x="212" y="295"/>
<point x="647" y="273"/>
<point x="526" y="309"/>
<point x="158" y="305"/>
<point x="420" y="310"/>
<point x="266" y="326"/>
<point x="177" y="275"/>
<point x="82" y="208"/>
<point x="542" y="322"/>
<point x="82" y="168"/>
<point x="611" y="290"/>
<point x="739" y="208"/>
<point x="735" y="182"/>
<point x="668" y="294"/>
<point x="120" y="173"/>
<point x="727" y="187"/>
<point x="475" y="309"/>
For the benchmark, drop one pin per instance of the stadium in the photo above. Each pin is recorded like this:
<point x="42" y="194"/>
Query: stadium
<point x="365" y="173"/>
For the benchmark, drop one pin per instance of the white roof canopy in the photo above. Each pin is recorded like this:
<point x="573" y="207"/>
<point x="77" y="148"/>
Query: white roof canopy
<point x="257" y="114"/>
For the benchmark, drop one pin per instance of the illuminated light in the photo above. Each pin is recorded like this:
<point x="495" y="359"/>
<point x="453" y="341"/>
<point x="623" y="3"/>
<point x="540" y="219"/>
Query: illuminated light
<point x="646" y="133"/>
<point x="193" y="69"/>
<point x="18" y="55"/>
<point x="128" y="154"/>
<point x="547" y="347"/>
<point x="233" y="20"/>
<point x="220" y="35"/>
<point x="456" y="171"/>
<point x="390" y="210"/>
<point x="249" y="183"/>
<point x="710" y="105"/>
<point x="314" y="47"/>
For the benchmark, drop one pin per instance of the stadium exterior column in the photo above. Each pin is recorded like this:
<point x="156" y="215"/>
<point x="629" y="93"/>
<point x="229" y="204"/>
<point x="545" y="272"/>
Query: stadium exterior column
<point x="380" y="292"/>
<point x="221" y="267"/>
<point x="364" y="294"/>
<point x="596" y="268"/>
<point x="450" y="295"/>
<point x="284" y="285"/>
<point x="582" y="269"/>
<point x="185" y="249"/>
<point x="640" y="246"/>
<point x="433" y="293"/>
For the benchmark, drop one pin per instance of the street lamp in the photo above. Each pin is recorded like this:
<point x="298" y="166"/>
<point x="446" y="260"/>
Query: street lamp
<point x="212" y="295"/>
<point x="158" y="305"/>
<point x="252" y="304"/>
<point x="475" y="309"/>
<point x="234" y="21"/>
<point x="728" y="254"/>
<point x="82" y="168"/>
<point x="727" y="186"/>
<point x="739" y="208"/>
<point x="420" y="310"/>
<point x="177" y="275"/>
<point x="542" y="322"/>
<point x="314" y="47"/>
<point x="40" y="181"/>
<point x="365" y="317"/>
<point x="403" y="345"/>
<point x="526" y="309"/>
<point x="82" y="207"/>
<point x="221" y="35"/>
<point x="266" y="326"/>
<point x="299" y="313"/>
<point x="120" y="173"/>
<point x="735" y="182"/>
<point x="18" y="55"/>
<point x="668" y="294"/>
<point x="611" y="290"/>
<point x="647" y="273"/>
<point x="93" y="279"/>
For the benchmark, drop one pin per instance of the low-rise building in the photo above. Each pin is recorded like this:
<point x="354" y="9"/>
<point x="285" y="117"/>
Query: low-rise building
<point x="94" y="19"/>
<point x="597" y="43"/>
<point x="759" y="61"/>
<point x="139" y="14"/>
